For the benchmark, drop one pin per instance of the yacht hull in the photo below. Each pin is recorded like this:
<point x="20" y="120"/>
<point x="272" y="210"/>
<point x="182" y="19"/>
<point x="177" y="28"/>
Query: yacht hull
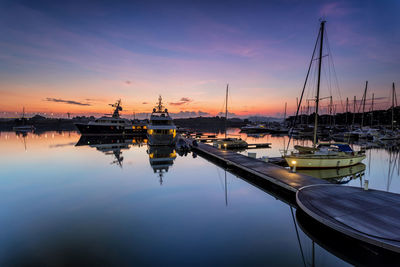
<point x="313" y="161"/>
<point x="88" y="129"/>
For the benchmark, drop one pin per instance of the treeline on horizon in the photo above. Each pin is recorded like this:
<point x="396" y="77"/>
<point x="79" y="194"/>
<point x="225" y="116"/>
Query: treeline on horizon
<point x="371" y="118"/>
<point x="375" y="118"/>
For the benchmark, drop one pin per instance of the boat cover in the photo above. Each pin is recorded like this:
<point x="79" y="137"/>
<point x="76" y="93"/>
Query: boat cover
<point x="344" y="147"/>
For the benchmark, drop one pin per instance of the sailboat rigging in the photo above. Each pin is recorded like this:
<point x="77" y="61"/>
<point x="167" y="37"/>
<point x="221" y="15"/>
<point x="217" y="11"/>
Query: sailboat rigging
<point x="321" y="155"/>
<point x="229" y="142"/>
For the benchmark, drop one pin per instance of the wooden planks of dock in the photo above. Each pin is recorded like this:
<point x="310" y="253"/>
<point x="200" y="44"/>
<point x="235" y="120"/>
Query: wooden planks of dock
<point x="368" y="215"/>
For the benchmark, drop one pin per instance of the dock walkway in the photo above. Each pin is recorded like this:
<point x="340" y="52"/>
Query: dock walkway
<point x="271" y="172"/>
<point x="368" y="215"/>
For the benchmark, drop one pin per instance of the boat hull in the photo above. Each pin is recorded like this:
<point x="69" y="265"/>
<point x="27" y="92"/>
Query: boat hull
<point x="311" y="161"/>
<point x="221" y="144"/>
<point x="88" y="129"/>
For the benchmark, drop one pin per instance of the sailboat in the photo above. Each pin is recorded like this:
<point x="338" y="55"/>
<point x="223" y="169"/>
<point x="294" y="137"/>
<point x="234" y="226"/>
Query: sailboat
<point x="229" y="142"/>
<point x="23" y="127"/>
<point x="322" y="155"/>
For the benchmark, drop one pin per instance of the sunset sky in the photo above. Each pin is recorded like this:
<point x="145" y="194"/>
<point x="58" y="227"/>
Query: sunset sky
<point x="79" y="56"/>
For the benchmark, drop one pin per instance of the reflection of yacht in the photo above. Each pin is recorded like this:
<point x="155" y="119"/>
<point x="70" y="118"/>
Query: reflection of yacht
<point x="112" y="125"/>
<point x="161" y="158"/>
<point x="161" y="129"/>
<point x="110" y="145"/>
<point x="337" y="175"/>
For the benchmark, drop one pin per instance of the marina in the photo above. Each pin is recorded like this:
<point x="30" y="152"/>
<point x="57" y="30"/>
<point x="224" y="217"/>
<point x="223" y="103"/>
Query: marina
<point x="205" y="133"/>
<point x="269" y="181"/>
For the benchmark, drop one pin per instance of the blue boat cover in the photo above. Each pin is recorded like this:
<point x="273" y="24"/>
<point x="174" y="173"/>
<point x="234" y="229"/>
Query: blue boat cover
<point x="344" y="148"/>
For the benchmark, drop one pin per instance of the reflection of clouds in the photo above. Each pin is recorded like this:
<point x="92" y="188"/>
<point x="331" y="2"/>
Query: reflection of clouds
<point x="62" y="145"/>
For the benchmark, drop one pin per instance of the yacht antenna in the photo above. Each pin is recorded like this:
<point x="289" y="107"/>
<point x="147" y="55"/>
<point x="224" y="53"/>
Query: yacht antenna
<point x="159" y="105"/>
<point x="117" y="109"/>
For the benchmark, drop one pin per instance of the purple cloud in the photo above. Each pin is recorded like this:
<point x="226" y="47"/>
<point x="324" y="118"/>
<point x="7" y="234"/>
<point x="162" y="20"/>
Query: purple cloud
<point x="182" y="101"/>
<point x="71" y="102"/>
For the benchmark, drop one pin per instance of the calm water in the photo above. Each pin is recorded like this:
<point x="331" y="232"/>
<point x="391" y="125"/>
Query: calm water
<point x="63" y="204"/>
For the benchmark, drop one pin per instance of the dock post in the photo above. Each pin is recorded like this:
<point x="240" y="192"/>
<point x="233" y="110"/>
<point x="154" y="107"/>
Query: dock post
<point x="365" y="185"/>
<point x="294" y="163"/>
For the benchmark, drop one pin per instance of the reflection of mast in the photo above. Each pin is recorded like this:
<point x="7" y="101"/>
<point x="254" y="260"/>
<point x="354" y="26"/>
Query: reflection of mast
<point x="118" y="159"/>
<point x="226" y="192"/>
<point x="23" y="136"/>
<point x="298" y="237"/>
<point x="161" y="174"/>
<point x="392" y="164"/>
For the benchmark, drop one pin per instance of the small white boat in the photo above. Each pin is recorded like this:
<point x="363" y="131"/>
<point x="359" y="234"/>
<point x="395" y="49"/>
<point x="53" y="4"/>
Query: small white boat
<point x="333" y="155"/>
<point x="24" y="128"/>
<point x="231" y="142"/>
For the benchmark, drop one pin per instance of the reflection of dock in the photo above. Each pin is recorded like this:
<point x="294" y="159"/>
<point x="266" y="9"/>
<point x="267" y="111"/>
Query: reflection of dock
<point x="368" y="216"/>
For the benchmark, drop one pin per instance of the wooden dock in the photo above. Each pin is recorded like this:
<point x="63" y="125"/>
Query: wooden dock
<point x="249" y="146"/>
<point x="371" y="216"/>
<point x="268" y="171"/>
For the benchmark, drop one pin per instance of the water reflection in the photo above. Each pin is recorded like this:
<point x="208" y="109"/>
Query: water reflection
<point x="338" y="175"/>
<point x="111" y="145"/>
<point x="161" y="158"/>
<point x="88" y="219"/>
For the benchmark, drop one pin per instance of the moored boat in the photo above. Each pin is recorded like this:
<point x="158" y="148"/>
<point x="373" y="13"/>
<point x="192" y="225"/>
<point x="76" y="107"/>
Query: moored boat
<point x="113" y="125"/>
<point x="161" y="128"/>
<point x="229" y="142"/>
<point x="328" y="155"/>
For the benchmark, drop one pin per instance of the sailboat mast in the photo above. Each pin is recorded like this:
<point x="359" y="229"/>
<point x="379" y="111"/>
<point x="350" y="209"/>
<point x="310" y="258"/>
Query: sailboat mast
<point x="284" y="116"/>
<point x="372" y="110"/>
<point x="364" y="98"/>
<point x="318" y="82"/>
<point x="347" y="108"/>
<point x="393" y="108"/>
<point x="354" y="111"/>
<point x="226" y="108"/>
